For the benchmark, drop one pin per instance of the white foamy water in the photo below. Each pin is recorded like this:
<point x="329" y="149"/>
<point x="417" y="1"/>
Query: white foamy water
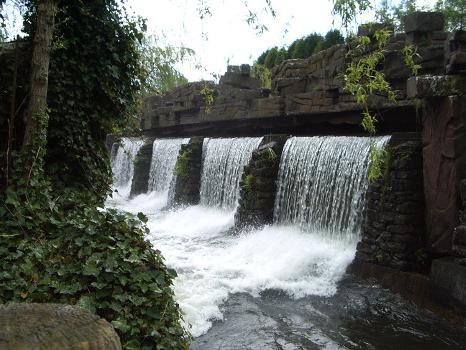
<point x="122" y="162"/>
<point x="212" y="264"/>
<point x="293" y="256"/>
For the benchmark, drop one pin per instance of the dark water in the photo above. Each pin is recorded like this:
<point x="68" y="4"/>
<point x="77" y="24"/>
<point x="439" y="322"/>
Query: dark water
<point x="359" y="316"/>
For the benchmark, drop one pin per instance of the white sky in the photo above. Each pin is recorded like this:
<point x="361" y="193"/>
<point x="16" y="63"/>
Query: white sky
<point x="229" y="38"/>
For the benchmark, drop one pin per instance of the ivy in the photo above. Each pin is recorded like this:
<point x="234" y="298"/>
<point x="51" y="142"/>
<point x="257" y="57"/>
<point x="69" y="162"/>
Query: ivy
<point x="98" y="260"/>
<point x="56" y="243"/>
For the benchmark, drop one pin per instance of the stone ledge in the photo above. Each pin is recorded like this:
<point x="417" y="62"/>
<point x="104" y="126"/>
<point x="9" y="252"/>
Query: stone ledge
<point x="435" y="86"/>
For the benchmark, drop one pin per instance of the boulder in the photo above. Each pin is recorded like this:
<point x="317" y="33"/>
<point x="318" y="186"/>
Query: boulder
<point x="54" y="326"/>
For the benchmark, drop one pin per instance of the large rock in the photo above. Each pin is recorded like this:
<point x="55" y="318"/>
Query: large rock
<point x="54" y="326"/>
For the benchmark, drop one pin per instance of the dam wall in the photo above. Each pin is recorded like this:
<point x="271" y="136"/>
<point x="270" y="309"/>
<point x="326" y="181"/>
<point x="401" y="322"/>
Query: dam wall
<point x="412" y="235"/>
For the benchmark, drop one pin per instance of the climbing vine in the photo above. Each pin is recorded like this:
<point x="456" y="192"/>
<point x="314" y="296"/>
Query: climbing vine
<point x="56" y="245"/>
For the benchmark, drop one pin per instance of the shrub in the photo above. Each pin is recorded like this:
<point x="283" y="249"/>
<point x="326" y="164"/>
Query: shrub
<point x="98" y="260"/>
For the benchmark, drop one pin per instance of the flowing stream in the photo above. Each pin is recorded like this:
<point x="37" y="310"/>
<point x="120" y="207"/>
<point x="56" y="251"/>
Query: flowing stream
<point x="122" y="161"/>
<point x="223" y="162"/>
<point x="283" y="286"/>
<point x="164" y="155"/>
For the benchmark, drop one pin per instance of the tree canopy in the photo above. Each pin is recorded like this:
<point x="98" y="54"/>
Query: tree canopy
<point x="300" y="48"/>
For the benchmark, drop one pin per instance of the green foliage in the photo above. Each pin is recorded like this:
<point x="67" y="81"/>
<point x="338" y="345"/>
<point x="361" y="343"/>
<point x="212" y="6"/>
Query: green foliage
<point x="208" y="97"/>
<point x="376" y="168"/>
<point x="182" y="165"/>
<point x="348" y="10"/>
<point x="409" y="53"/>
<point x="270" y="155"/>
<point x="158" y="65"/>
<point x="271" y="57"/>
<point x="96" y="59"/>
<point x="300" y="48"/>
<point x="55" y="244"/>
<point x="98" y="260"/>
<point x="263" y="73"/>
<point x="248" y="183"/>
<point x="363" y="76"/>
<point x="454" y="12"/>
<point x="333" y="37"/>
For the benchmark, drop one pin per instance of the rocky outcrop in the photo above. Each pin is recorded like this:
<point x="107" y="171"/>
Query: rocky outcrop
<point x="54" y="326"/>
<point x="393" y="231"/>
<point x="187" y="180"/>
<point x="258" y="184"/>
<point x="142" y="169"/>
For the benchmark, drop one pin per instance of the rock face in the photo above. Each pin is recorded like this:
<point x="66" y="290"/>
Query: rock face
<point x="188" y="173"/>
<point x="444" y="136"/>
<point x="142" y="169"/>
<point x="54" y="326"/>
<point x="393" y="232"/>
<point x="258" y="184"/>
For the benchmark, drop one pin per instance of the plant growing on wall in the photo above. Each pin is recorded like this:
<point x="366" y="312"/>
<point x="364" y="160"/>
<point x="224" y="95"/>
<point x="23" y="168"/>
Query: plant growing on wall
<point x="207" y="94"/>
<point x="54" y="244"/>
<point x="363" y="77"/>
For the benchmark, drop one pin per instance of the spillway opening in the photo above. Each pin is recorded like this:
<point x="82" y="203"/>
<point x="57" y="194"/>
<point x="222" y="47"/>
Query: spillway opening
<point x="317" y="218"/>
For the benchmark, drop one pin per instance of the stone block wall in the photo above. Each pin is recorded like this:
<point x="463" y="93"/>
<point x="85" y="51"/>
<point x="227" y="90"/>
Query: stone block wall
<point x="258" y="184"/>
<point x="310" y="88"/>
<point x="142" y="168"/>
<point x="393" y="233"/>
<point x="187" y="181"/>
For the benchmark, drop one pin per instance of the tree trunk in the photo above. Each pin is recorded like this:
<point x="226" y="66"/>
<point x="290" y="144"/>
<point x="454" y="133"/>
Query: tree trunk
<point x="36" y="118"/>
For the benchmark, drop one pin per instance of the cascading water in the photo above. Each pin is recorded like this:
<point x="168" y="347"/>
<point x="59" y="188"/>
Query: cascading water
<point x="223" y="163"/>
<point x="164" y="155"/>
<point x="122" y="163"/>
<point x="235" y="278"/>
<point x="322" y="182"/>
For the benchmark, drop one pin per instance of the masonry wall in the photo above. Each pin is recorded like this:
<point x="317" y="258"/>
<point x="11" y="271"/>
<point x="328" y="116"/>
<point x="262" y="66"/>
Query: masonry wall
<point x="258" y="184"/>
<point x="187" y="182"/>
<point x="141" y="173"/>
<point x="393" y="232"/>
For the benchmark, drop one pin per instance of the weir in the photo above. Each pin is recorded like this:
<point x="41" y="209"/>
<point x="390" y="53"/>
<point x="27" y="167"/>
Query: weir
<point x="322" y="182"/>
<point x="413" y="230"/>
<point x="164" y="155"/>
<point x="222" y="167"/>
<point x="122" y="163"/>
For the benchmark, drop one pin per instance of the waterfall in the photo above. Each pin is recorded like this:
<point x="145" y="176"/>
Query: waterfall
<point x="164" y="155"/>
<point x="322" y="182"/>
<point x="122" y="162"/>
<point x="222" y="167"/>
